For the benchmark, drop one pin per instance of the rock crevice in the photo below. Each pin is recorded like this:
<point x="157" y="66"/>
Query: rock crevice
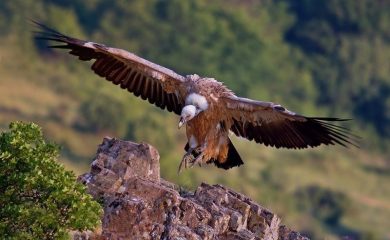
<point x="125" y="176"/>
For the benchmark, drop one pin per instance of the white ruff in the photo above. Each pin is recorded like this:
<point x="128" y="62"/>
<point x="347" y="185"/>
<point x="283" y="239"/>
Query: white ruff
<point x="197" y="100"/>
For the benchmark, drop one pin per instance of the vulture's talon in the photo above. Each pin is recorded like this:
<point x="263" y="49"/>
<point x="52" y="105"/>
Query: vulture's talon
<point x="197" y="160"/>
<point x="186" y="161"/>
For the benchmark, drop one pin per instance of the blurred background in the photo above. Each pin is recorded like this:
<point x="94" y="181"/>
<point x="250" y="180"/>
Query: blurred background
<point x="318" y="58"/>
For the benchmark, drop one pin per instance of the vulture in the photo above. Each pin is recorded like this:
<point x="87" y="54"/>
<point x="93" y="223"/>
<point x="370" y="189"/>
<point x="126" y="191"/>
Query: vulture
<point x="207" y="108"/>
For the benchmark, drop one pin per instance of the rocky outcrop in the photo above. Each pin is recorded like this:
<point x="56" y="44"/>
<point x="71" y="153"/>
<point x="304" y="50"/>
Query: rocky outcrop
<point x="125" y="176"/>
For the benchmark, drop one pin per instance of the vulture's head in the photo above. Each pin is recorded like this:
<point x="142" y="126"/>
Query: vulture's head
<point x="195" y="104"/>
<point x="187" y="113"/>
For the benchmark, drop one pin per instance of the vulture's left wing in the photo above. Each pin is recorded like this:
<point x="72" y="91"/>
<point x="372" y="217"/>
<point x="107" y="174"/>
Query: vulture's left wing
<point x="161" y="86"/>
<point x="273" y="125"/>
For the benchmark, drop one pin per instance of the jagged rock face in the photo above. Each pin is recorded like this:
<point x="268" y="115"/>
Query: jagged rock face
<point x="140" y="205"/>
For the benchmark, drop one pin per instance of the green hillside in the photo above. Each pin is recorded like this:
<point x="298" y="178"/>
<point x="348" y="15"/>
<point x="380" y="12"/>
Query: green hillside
<point x="318" y="58"/>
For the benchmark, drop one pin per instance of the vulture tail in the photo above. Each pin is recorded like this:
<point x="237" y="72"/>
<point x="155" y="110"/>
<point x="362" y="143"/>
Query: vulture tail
<point x="233" y="158"/>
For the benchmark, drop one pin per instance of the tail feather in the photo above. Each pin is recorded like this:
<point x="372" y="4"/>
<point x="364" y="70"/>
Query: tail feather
<point x="233" y="158"/>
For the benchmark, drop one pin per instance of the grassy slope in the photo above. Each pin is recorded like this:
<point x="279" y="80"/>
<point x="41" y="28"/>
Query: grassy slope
<point x="26" y="95"/>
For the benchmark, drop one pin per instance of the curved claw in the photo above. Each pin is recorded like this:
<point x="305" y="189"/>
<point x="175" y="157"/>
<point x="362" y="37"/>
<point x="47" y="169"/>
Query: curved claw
<point x="197" y="160"/>
<point x="187" y="159"/>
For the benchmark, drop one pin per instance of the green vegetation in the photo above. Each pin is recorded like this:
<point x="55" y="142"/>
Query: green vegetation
<point x="99" y="117"/>
<point x="325" y="58"/>
<point x="325" y="204"/>
<point x="39" y="199"/>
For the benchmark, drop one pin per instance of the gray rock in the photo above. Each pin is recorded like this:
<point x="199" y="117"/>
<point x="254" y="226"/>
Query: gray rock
<point x="138" y="205"/>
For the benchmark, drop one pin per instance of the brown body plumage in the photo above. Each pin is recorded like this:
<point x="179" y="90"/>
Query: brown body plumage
<point x="207" y="127"/>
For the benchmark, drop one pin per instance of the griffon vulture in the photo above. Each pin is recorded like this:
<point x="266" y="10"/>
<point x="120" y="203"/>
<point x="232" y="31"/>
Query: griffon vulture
<point x="207" y="107"/>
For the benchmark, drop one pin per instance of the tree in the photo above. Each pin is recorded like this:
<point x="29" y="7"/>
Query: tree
<point x="39" y="199"/>
<point x="346" y="48"/>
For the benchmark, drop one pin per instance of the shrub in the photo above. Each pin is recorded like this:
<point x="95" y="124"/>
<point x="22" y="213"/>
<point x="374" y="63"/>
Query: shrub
<point x="39" y="199"/>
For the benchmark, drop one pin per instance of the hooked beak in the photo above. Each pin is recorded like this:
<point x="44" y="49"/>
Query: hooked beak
<point x="181" y="122"/>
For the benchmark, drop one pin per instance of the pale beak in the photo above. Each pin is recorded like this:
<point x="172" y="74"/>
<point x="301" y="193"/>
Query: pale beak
<point x="181" y="122"/>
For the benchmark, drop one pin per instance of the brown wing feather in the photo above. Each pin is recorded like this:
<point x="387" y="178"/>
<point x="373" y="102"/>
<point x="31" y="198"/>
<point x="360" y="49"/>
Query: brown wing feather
<point x="158" y="85"/>
<point x="273" y="125"/>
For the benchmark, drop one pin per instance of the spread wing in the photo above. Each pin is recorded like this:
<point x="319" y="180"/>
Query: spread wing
<point x="273" y="125"/>
<point x="161" y="86"/>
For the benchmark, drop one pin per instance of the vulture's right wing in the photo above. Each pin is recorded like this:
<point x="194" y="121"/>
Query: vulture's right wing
<point x="161" y="86"/>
